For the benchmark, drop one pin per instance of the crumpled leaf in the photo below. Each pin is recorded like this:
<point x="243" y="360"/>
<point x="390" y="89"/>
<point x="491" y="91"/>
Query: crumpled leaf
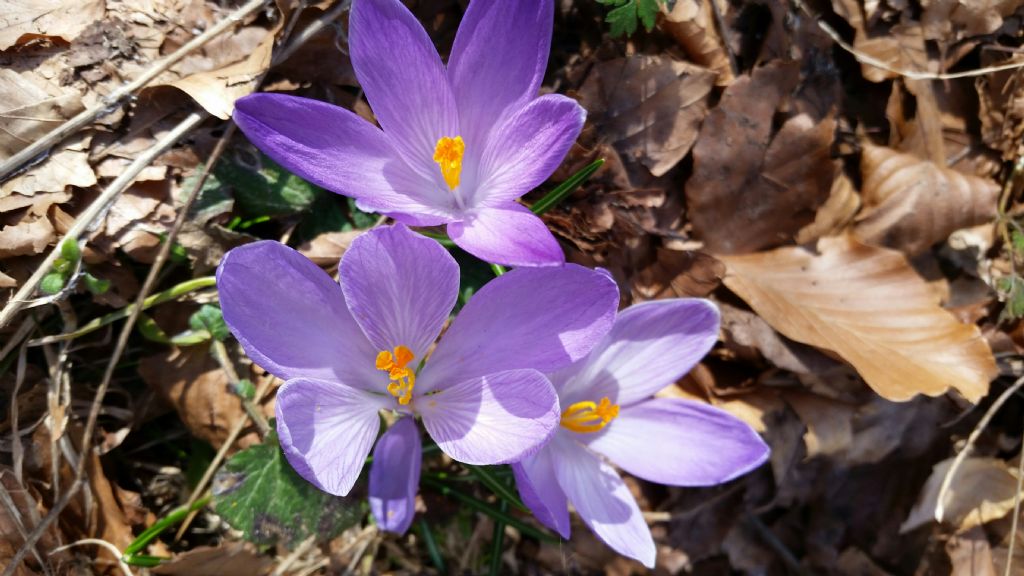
<point x="216" y="90"/>
<point x="22" y="20"/>
<point x="867" y="305"/>
<point x="692" y="25"/>
<point x="750" y="190"/>
<point x="259" y="493"/>
<point x="910" y="203"/>
<point x="974" y="18"/>
<point x="982" y="490"/>
<point x="30" y="109"/>
<point x="230" y="559"/>
<point x="649" y="107"/>
<point x="67" y="167"/>
<point x="30" y="236"/>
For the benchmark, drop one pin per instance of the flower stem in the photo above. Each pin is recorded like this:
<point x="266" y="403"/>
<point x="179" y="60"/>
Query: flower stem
<point x="130" y="555"/>
<point x="498" y="541"/>
<point x="428" y="540"/>
<point x="498" y="486"/>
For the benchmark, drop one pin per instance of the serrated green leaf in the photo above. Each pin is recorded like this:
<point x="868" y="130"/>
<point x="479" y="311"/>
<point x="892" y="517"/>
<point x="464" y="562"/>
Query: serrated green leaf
<point x="266" y="189"/>
<point x="52" y="283"/>
<point x="258" y="493"/>
<point x="209" y="319"/>
<point x="624" y="18"/>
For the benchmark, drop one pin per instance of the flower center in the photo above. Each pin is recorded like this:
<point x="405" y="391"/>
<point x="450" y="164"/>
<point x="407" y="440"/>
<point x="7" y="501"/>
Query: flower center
<point x="402" y="378"/>
<point x="585" y="417"/>
<point x="448" y="155"/>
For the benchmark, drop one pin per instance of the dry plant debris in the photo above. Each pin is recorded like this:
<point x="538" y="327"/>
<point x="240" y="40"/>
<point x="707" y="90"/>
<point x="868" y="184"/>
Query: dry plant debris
<point x="844" y="179"/>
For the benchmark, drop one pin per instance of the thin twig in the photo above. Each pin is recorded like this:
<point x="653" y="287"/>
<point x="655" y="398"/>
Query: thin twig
<point x="1016" y="511"/>
<point x="75" y="124"/>
<point x="220" y="353"/>
<point x="909" y="74"/>
<point x="20" y="334"/>
<point x="102" y="544"/>
<point x="947" y="481"/>
<point x="98" y="207"/>
<point x="294" y="556"/>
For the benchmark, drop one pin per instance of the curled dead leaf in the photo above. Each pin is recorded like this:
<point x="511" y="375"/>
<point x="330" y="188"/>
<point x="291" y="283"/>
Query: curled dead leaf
<point x="867" y="305"/>
<point x="910" y="203"/>
<point x="216" y="90"/>
<point x="692" y="25"/>
<point x="982" y="490"/>
<point x="649" y="107"/>
<point x="21" y="20"/>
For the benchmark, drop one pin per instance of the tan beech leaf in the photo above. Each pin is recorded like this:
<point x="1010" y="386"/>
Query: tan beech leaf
<point x="910" y="203"/>
<point x="217" y="90"/>
<point x="982" y="490"/>
<point x="836" y="214"/>
<point x="55" y="18"/>
<point x="649" y="107"/>
<point x="692" y="25"/>
<point x="65" y="168"/>
<point x="30" y="236"/>
<point x="29" y="109"/>
<point x="867" y="305"/>
<point x="751" y="189"/>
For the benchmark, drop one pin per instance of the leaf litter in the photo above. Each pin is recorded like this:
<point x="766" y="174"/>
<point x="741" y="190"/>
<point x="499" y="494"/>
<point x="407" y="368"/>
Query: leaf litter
<point x="856" y="217"/>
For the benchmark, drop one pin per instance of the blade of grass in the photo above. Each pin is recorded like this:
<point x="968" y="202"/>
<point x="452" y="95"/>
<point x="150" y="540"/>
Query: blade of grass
<point x="500" y="488"/>
<point x="498" y="541"/>
<point x="431" y="544"/>
<point x="484" y="508"/>
<point x="498" y="269"/>
<point x="565" y="188"/>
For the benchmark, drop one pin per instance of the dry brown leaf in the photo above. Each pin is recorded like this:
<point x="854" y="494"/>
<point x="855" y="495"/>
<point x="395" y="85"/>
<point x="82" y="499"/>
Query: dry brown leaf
<point x="65" y="168"/>
<point x="901" y="47"/>
<point x="750" y="190"/>
<point x="974" y="18"/>
<point x="30" y="236"/>
<point x="326" y="249"/>
<point x="910" y="203"/>
<point x="692" y="25"/>
<point x="649" y="107"/>
<point x="18" y="521"/>
<point x="216" y="90"/>
<point x="232" y="559"/>
<point x="970" y="554"/>
<point x="677" y="274"/>
<point x="867" y="305"/>
<point x="30" y="108"/>
<point x="22" y="20"/>
<point x="982" y="490"/>
<point x="829" y="423"/>
<point x="835" y="214"/>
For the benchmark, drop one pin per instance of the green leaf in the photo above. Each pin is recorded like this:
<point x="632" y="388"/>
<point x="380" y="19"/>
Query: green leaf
<point x="623" y="19"/>
<point x="361" y="220"/>
<point x="245" y="389"/>
<point x="52" y="283"/>
<point x="258" y="493"/>
<point x="213" y="199"/>
<point x="1018" y="242"/>
<point x="264" y="188"/>
<point x="69" y="250"/>
<point x="210" y="319"/>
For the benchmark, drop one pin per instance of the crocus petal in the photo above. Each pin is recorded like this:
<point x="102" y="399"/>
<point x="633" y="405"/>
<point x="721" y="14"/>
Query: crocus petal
<point x="404" y="80"/>
<point x="539" y="489"/>
<point x="602" y="500"/>
<point x="651" y="346"/>
<point x="395" y="475"/>
<point x="527" y="148"/>
<point x="509" y="235"/>
<point x="493" y="419"/>
<point x="680" y="443"/>
<point x="290" y="316"/>
<point x="332" y="147"/>
<point x="498" y="60"/>
<point x="326" y="430"/>
<point x="540" y="318"/>
<point x="400" y="287"/>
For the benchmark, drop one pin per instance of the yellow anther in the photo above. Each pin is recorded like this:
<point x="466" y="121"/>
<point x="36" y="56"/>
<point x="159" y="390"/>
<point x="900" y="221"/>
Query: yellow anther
<point x="402" y="378"/>
<point x="448" y="154"/>
<point x="585" y="417"/>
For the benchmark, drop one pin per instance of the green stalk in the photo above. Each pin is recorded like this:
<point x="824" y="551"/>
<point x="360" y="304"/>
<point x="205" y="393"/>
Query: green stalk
<point x="158" y="298"/>
<point x="484" y="508"/>
<point x="498" y="541"/>
<point x="498" y="269"/>
<point x="149" y="534"/>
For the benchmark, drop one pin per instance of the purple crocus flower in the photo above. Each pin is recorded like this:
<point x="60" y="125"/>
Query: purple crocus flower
<point x="608" y="414"/>
<point x="350" y="349"/>
<point x="457" y="144"/>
